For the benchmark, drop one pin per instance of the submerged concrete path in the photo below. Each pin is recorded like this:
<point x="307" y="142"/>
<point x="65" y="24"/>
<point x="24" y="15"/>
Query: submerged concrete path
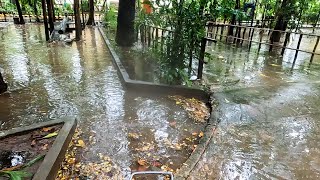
<point x="269" y="121"/>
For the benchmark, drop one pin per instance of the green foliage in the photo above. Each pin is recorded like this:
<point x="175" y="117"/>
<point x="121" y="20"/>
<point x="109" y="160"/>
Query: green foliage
<point x="15" y="175"/>
<point x="68" y="8"/>
<point x="85" y="5"/>
<point x="8" y="8"/>
<point x="110" y="17"/>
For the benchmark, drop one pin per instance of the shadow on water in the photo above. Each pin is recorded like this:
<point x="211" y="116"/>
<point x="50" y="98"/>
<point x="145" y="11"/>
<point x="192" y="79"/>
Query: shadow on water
<point x="51" y="81"/>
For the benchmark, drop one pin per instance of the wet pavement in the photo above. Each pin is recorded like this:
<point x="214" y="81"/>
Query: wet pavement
<point x="269" y="117"/>
<point x="50" y="81"/>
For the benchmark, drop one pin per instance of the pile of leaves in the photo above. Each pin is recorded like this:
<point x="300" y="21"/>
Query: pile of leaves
<point x="73" y="168"/>
<point x="197" y="110"/>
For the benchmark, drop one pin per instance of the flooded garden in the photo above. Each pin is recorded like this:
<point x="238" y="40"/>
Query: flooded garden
<point x="159" y="89"/>
<point x="50" y="81"/>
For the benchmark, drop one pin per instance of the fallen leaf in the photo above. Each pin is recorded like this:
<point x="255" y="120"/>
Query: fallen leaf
<point x="46" y="129"/>
<point x="134" y="136"/>
<point x="50" y="135"/>
<point x="201" y="134"/>
<point x="156" y="164"/>
<point x="194" y="134"/>
<point x="71" y="160"/>
<point x="275" y="65"/>
<point x="263" y="75"/>
<point x="173" y="124"/>
<point x="44" y="147"/>
<point x="81" y="143"/>
<point x="33" y="142"/>
<point x="142" y="162"/>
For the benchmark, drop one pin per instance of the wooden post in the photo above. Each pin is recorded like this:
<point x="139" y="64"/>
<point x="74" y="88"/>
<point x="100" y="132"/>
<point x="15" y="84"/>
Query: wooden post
<point x="285" y="43"/>
<point x="45" y="21"/>
<point x="77" y="19"/>
<point x="314" y="49"/>
<point x="201" y="57"/>
<point x="297" y="50"/>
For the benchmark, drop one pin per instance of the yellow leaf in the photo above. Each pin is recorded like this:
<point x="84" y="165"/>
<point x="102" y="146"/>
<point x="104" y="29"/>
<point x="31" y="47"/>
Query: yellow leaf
<point x="81" y="143"/>
<point x="274" y="65"/>
<point x="263" y="75"/>
<point x="142" y="162"/>
<point x="194" y="134"/>
<point x="201" y="134"/>
<point x="50" y="135"/>
<point x="46" y="129"/>
<point x="178" y="102"/>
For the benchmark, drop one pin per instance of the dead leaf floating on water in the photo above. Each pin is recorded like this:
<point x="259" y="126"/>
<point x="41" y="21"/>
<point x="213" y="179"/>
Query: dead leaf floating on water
<point x="196" y="109"/>
<point x="81" y="143"/>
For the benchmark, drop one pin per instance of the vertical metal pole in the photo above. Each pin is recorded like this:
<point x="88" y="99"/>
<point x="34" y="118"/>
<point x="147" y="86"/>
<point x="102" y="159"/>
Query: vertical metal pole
<point x="297" y="50"/>
<point x="157" y="37"/>
<point x="221" y="32"/>
<point x="285" y="43"/>
<point x="314" y="49"/>
<point x="201" y="57"/>
<point x="250" y="38"/>
<point x="260" y="40"/>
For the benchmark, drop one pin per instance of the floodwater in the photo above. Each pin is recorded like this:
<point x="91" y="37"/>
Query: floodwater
<point x="268" y="117"/>
<point x="51" y="81"/>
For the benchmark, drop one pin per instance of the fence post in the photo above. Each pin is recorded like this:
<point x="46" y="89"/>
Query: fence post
<point x="314" y="49"/>
<point x="221" y="32"/>
<point x="157" y="38"/>
<point x="260" y="39"/>
<point x="250" y="40"/>
<point x="162" y="39"/>
<point x="149" y="36"/>
<point x="201" y="57"/>
<point x="297" y="50"/>
<point x="285" y="42"/>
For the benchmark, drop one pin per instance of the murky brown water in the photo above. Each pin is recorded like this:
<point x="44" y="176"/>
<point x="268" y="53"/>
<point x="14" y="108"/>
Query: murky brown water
<point x="51" y="81"/>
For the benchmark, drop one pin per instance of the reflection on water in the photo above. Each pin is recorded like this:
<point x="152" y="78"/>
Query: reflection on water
<point x="50" y="81"/>
<point x="266" y="132"/>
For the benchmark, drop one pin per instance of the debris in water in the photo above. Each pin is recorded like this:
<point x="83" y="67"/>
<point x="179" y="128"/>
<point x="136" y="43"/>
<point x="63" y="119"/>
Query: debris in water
<point x="196" y="109"/>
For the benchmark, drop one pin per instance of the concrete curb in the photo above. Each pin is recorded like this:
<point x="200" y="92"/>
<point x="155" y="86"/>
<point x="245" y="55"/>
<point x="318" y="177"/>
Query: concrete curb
<point x="51" y="163"/>
<point x="192" y="161"/>
<point x="149" y="86"/>
<point x="185" y="171"/>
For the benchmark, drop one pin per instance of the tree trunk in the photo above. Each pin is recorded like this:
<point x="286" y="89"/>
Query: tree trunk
<point x="125" y="26"/>
<point x="91" y="13"/>
<point x="77" y="19"/>
<point x="281" y="22"/>
<point x="3" y="85"/>
<point x="35" y="9"/>
<point x="21" y="20"/>
<point x="50" y="15"/>
<point x="45" y="21"/>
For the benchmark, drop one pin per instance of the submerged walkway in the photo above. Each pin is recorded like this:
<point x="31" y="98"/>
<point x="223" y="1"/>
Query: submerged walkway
<point x="50" y="81"/>
<point x="269" y="118"/>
